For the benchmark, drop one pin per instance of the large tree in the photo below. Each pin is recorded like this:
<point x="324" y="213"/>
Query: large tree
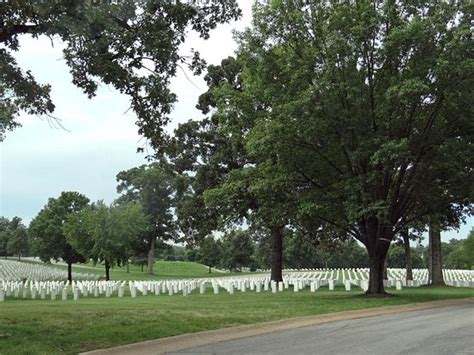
<point x="46" y="231"/>
<point x="369" y="104"/>
<point x="153" y="188"/>
<point x="221" y="178"/>
<point x="132" y="45"/>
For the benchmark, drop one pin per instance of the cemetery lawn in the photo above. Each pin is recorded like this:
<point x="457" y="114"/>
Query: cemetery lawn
<point x="51" y="327"/>
<point x="162" y="270"/>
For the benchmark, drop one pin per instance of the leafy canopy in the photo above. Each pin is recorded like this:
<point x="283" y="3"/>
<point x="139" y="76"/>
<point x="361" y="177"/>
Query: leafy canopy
<point x="133" y="46"/>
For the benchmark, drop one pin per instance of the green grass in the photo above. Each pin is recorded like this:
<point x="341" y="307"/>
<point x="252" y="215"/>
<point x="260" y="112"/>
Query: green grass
<point x="50" y="327"/>
<point x="162" y="270"/>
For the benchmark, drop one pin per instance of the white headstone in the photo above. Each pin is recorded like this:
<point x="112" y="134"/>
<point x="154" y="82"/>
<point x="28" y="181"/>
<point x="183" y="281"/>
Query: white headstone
<point x="398" y="284"/>
<point x="347" y="285"/>
<point x="280" y="286"/>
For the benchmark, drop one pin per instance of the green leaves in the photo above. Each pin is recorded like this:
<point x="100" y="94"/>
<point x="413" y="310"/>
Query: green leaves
<point x="46" y="231"/>
<point x="153" y="188"/>
<point x="357" y="112"/>
<point x="133" y="46"/>
<point x="105" y="233"/>
<point x="19" y="92"/>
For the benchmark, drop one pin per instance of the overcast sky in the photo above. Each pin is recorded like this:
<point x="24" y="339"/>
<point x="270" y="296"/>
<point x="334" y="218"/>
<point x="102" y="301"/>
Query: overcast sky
<point x="39" y="161"/>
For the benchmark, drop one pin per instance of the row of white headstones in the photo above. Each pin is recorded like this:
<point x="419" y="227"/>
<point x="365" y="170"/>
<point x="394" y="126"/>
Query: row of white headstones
<point x="298" y="281"/>
<point x="12" y="270"/>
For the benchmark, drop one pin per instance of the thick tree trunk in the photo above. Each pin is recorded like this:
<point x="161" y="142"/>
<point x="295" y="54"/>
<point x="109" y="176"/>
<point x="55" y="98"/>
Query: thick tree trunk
<point x="385" y="268"/>
<point x="151" y="255"/>
<point x="376" y="263"/>
<point x="378" y="239"/>
<point x="408" y="260"/>
<point x="107" y="271"/>
<point x="69" y="271"/>
<point x="277" y="253"/>
<point x="436" y="262"/>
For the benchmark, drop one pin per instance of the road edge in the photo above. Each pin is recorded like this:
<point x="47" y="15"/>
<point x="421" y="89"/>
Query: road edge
<point x="190" y="340"/>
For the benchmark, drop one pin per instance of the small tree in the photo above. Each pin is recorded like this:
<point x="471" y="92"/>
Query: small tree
<point x="210" y="252"/>
<point x="462" y="255"/>
<point x="238" y="249"/>
<point x="46" y="234"/>
<point x="153" y="188"/>
<point x="18" y="239"/>
<point x="109" y="230"/>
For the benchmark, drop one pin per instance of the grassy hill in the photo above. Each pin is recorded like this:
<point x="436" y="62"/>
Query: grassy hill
<point x="162" y="270"/>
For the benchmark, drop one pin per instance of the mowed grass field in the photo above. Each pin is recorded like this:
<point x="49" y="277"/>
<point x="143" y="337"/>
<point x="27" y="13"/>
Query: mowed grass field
<point x="53" y="327"/>
<point x="161" y="270"/>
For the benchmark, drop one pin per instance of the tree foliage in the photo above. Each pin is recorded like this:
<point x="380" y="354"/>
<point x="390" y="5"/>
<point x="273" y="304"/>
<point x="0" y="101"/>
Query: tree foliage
<point x="13" y="237"/>
<point x="462" y="254"/>
<point x="107" y="231"/>
<point x="238" y="249"/>
<point x="210" y="252"/>
<point x="153" y="188"/>
<point x="367" y="108"/>
<point x="133" y="46"/>
<point x="46" y="231"/>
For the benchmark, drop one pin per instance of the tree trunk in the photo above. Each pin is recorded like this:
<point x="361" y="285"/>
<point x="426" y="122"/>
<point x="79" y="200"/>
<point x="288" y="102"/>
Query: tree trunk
<point x="408" y="260"/>
<point x="277" y="253"/>
<point x="127" y="267"/>
<point x="436" y="262"/>
<point x="376" y="263"/>
<point x="378" y="241"/>
<point x="69" y="271"/>
<point x="209" y="268"/>
<point x="151" y="255"/>
<point x="429" y="265"/>
<point x="142" y="266"/>
<point x="107" y="271"/>
<point x="385" y="268"/>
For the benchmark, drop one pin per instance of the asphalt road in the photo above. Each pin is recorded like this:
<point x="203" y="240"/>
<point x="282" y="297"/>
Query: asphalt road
<point x="447" y="330"/>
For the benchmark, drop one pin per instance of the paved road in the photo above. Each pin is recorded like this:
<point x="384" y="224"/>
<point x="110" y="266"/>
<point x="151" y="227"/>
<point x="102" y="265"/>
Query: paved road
<point x="447" y="330"/>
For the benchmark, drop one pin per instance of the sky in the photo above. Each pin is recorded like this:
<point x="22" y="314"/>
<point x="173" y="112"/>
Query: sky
<point x="99" y="138"/>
